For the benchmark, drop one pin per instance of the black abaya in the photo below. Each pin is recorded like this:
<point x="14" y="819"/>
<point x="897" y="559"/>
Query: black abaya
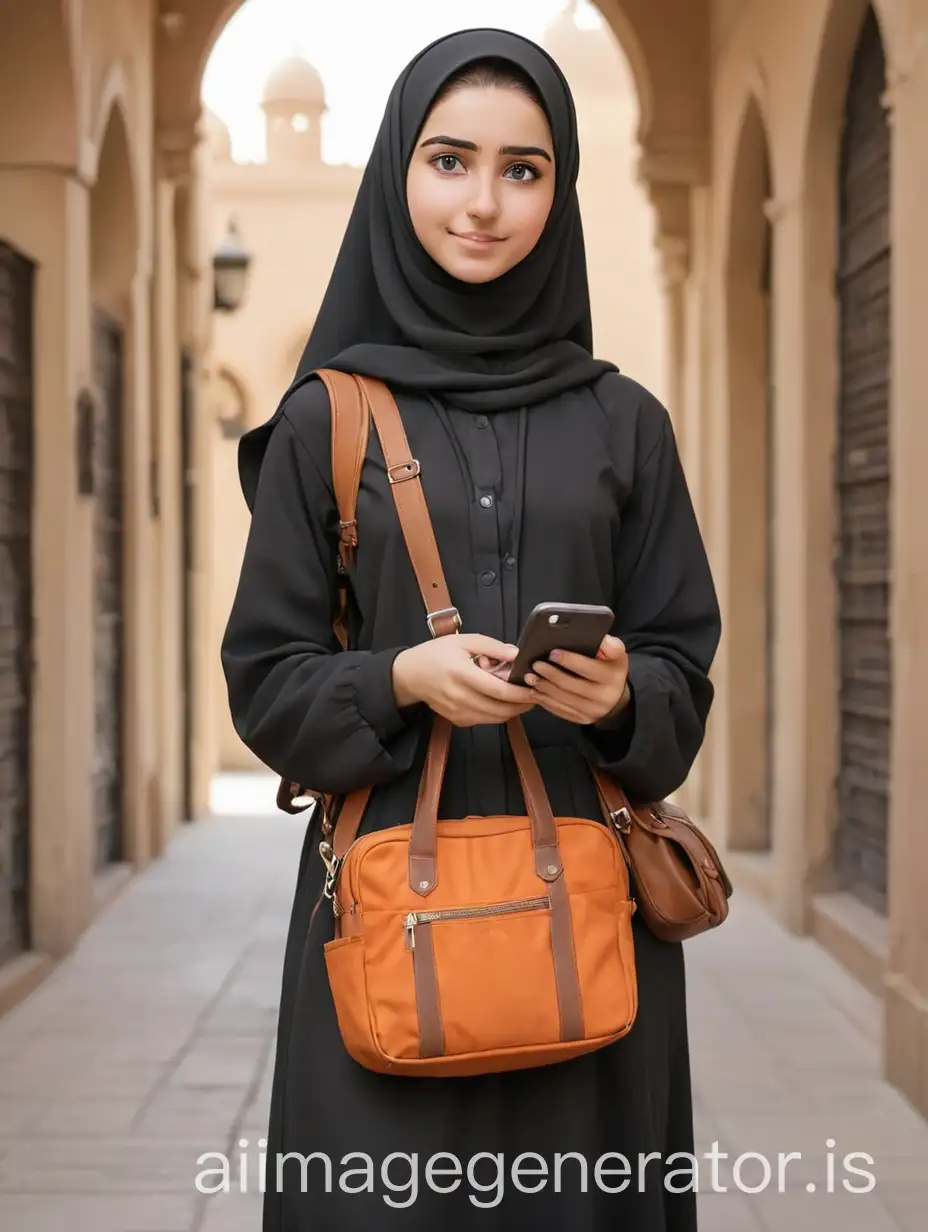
<point x="589" y="505"/>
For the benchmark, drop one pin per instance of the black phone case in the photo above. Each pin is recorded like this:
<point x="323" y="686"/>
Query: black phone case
<point x="579" y="627"/>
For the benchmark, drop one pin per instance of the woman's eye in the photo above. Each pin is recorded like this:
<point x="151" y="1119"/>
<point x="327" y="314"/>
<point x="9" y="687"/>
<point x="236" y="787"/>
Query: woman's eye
<point x="523" y="171"/>
<point x="443" y="160"/>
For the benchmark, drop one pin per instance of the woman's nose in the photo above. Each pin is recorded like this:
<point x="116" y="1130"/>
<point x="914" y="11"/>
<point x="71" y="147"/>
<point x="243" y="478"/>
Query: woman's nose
<point x="484" y="202"/>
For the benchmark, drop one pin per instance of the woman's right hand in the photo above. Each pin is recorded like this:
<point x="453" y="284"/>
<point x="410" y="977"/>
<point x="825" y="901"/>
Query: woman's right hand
<point x="443" y="674"/>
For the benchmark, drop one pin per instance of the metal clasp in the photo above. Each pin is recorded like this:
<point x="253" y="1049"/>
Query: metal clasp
<point x="445" y="611"/>
<point x="625" y="824"/>
<point x="332" y="864"/>
<point x="405" y="470"/>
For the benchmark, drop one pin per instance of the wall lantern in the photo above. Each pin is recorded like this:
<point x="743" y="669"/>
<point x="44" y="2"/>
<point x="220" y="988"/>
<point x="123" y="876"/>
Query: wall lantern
<point x="231" y="263"/>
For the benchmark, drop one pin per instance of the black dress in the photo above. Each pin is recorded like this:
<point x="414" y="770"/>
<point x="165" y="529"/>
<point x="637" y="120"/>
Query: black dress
<point x="589" y="504"/>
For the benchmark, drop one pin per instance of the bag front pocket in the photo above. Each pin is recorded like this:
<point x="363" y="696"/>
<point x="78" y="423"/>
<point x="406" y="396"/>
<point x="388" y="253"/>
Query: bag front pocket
<point x="484" y="976"/>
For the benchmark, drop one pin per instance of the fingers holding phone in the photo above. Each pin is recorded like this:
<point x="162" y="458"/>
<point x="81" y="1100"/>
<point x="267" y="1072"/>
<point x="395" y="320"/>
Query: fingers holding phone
<point x="580" y="688"/>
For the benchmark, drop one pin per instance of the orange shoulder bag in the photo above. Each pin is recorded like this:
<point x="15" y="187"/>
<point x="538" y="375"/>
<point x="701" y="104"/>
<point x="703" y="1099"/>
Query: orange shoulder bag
<point x="478" y="944"/>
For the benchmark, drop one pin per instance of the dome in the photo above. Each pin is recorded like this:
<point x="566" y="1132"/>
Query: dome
<point x="294" y="82"/>
<point x="590" y="59"/>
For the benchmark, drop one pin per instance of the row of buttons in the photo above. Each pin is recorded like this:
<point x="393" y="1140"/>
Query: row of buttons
<point x="487" y="501"/>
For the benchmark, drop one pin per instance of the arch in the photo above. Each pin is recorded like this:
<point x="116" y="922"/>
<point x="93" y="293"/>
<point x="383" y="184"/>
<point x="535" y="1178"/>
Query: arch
<point x="618" y="20"/>
<point x="821" y="206"/>
<point x="114" y="230"/>
<point x="187" y="36"/>
<point x="38" y="89"/>
<point x="748" y="296"/>
<point x="115" y="93"/>
<point x="840" y="34"/>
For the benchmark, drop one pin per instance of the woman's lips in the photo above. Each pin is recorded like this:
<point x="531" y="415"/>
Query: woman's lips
<point x="477" y="238"/>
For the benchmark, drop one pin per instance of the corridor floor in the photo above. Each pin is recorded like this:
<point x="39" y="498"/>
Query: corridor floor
<point x="151" y="1046"/>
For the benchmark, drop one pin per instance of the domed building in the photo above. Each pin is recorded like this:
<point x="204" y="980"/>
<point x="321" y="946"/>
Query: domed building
<point x="293" y="100"/>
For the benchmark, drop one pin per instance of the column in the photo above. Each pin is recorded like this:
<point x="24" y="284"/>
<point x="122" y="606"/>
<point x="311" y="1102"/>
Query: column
<point x="169" y="614"/>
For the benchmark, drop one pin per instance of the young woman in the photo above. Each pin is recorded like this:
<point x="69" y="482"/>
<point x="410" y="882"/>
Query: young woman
<point x="549" y="475"/>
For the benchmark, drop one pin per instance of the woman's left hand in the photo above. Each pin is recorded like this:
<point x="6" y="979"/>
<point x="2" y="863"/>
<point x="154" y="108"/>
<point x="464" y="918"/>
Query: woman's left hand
<point x="580" y="689"/>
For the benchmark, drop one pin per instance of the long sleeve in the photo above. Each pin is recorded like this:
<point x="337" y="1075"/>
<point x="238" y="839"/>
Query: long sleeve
<point x="667" y="615"/>
<point x="313" y="713"/>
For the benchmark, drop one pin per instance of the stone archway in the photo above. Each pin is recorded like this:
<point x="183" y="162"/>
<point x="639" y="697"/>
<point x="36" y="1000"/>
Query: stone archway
<point x="113" y="256"/>
<point x="748" y="291"/>
<point x="671" y="76"/>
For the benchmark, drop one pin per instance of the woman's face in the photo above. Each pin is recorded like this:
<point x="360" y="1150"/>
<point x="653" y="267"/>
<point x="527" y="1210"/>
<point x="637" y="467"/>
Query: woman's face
<point x="480" y="183"/>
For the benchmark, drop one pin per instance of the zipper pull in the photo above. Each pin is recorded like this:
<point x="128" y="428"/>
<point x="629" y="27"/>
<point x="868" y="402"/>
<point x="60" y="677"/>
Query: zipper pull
<point x="410" y="931"/>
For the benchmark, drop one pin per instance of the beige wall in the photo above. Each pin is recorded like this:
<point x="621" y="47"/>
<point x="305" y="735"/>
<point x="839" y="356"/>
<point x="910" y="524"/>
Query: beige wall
<point x="291" y="214"/>
<point x="100" y="106"/>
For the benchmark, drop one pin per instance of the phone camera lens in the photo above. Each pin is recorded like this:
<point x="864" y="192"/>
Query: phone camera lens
<point x="552" y="620"/>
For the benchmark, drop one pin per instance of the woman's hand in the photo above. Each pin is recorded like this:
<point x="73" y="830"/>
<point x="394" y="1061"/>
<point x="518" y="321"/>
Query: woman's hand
<point x="443" y="673"/>
<point x="599" y="688"/>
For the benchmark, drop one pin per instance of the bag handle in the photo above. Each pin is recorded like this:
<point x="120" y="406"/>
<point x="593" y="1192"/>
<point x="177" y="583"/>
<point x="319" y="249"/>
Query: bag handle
<point x="403" y="472"/>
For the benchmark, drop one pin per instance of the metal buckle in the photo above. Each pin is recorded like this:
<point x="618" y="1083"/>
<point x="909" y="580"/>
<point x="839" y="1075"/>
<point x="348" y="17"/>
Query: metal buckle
<point x="332" y="864"/>
<point x="445" y="611"/>
<point x="625" y="825"/>
<point x="408" y="470"/>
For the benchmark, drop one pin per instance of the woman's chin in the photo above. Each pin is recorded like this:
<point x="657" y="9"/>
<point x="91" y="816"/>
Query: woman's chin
<point x="472" y="271"/>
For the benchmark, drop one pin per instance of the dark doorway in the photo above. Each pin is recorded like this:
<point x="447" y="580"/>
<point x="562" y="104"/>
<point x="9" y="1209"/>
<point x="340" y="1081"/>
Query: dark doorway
<point x="109" y="617"/>
<point x="863" y="478"/>
<point x="16" y="475"/>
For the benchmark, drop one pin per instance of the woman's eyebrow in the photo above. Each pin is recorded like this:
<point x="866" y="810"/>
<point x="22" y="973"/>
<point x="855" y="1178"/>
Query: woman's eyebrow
<point x="519" y="151"/>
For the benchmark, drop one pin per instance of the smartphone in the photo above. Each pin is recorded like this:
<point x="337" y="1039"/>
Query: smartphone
<point x="579" y="627"/>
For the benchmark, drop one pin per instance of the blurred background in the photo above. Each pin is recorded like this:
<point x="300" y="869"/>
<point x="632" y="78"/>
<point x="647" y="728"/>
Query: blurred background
<point x="175" y="178"/>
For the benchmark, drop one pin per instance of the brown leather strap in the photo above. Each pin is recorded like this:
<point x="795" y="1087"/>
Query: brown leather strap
<point x="423" y="863"/>
<point x="548" y="864"/>
<point x="349" y="434"/>
<point x="350" y="431"/>
<point x="349" y="821"/>
<point x="549" y="867"/>
<point x="403" y="473"/>
<point x="566" y="976"/>
<point x="612" y="799"/>
<point x="428" y="1001"/>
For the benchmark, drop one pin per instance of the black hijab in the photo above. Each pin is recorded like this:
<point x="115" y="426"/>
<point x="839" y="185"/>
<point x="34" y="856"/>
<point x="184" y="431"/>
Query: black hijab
<point x="392" y="312"/>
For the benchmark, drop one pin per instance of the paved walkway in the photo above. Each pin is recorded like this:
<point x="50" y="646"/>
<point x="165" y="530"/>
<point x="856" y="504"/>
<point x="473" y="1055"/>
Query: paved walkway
<point x="152" y="1044"/>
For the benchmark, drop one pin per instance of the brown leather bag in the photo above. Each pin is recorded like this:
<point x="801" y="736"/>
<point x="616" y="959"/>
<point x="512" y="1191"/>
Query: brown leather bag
<point x="678" y="881"/>
<point x="677" y="878"/>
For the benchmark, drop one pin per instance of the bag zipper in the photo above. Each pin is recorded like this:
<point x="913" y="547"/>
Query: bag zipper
<point x="464" y="913"/>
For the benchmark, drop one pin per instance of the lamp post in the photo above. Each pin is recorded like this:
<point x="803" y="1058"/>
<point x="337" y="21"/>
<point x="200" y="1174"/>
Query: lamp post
<point x="231" y="263"/>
